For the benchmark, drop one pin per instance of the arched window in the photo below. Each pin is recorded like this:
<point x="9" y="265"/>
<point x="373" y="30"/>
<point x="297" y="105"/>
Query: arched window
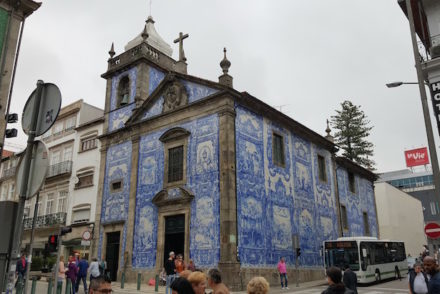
<point x="123" y="91"/>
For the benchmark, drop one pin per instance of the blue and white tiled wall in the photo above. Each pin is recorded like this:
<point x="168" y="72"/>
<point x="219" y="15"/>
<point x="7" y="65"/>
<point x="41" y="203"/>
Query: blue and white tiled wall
<point x="357" y="203"/>
<point x="115" y="204"/>
<point x="202" y="180"/>
<point x="275" y="202"/>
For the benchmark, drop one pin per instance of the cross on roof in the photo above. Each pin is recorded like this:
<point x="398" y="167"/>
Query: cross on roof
<point x="180" y="41"/>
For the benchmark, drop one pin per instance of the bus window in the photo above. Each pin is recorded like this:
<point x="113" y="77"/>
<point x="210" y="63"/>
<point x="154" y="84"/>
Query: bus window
<point x="340" y="257"/>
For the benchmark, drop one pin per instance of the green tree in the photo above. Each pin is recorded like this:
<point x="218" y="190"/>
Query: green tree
<point x="351" y="132"/>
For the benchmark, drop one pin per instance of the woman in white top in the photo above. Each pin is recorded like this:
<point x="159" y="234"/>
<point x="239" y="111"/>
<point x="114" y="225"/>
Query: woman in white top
<point x="61" y="273"/>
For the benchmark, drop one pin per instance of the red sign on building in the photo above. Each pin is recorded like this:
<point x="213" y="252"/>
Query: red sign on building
<point x="432" y="230"/>
<point x="416" y="157"/>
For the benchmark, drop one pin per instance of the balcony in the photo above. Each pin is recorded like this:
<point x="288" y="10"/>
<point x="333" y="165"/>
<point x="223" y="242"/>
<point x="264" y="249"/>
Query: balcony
<point x="429" y="52"/>
<point x="7" y="173"/>
<point x="45" y="221"/>
<point x="62" y="168"/>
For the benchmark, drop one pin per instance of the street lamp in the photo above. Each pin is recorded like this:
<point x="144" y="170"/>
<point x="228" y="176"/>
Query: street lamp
<point x="398" y="84"/>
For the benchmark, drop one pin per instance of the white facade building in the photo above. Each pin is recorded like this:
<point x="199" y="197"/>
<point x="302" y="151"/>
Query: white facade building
<point x="400" y="217"/>
<point x="68" y="197"/>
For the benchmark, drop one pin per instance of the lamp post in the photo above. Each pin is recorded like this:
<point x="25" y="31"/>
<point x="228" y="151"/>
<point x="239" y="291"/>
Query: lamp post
<point x="429" y="134"/>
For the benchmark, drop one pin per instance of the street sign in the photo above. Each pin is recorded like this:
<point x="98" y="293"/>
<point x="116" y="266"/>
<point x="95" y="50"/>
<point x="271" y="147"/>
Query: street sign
<point x="432" y="230"/>
<point x="38" y="169"/>
<point x="85" y="243"/>
<point x="47" y="112"/>
<point x="86" y="236"/>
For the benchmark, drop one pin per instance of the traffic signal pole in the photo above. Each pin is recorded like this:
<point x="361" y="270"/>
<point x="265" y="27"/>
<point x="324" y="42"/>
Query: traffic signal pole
<point x="18" y="226"/>
<point x="57" y="265"/>
<point x="34" y="220"/>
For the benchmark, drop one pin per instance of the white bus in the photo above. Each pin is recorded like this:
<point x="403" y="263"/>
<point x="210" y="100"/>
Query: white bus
<point x="371" y="259"/>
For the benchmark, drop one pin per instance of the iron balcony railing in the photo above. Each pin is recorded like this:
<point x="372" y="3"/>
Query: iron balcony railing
<point x="47" y="220"/>
<point x="8" y="173"/>
<point x="431" y="52"/>
<point x="64" y="167"/>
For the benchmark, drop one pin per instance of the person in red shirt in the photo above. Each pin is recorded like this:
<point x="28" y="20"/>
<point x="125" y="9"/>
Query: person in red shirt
<point x="180" y="264"/>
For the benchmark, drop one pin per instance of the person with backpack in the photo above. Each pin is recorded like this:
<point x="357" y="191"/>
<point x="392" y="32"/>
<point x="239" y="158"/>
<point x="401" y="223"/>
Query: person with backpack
<point x="417" y="280"/>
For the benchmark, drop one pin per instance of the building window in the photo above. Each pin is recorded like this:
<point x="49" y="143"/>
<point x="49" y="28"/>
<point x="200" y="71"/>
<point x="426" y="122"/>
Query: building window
<point x="81" y="214"/>
<point x="344" y="218"/>
<point x="366" y="224"/>
<point x="351" y="182"/>
<point x="27" y="210"/>
<point x="49" y="204"/>
<point x="433" y="210"/>
<point x="278" y="150"/>
<point x="62" y="201"/>
<point x="88" y="143"/>
<point x="67" y="154"/>
<point x="116" y="186"/>
<point x="85" y="179"/>
<point x="55" y="158"/>
<point x="175" y="164"/>
<point x="321" y="169"/>
<point x="4" y="192"/>
<point x="40" y="208"/>
<point x="123" y="91"/>
<point x="57" y="129"/>
<point x="70" y="123"/>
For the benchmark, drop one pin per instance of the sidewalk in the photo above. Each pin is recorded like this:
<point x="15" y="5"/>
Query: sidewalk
<point x="130" y="288"/>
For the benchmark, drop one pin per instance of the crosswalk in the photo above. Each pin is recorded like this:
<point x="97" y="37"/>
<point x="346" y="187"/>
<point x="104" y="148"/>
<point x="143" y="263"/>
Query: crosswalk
<point x="366" y="290"/>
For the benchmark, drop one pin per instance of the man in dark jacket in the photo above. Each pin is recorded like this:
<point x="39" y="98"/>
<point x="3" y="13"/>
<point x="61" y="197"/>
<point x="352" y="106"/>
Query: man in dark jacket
<point x="170" y="269"/>
<point x="430" y="265"/>
<point x="83" y="266"/>
<point x="350" y="279"/>
<point x="334" y="279"/>
<point x="21" y="269"/>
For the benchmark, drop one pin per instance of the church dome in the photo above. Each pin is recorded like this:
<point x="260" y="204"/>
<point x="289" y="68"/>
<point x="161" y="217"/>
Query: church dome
<point x="153" y="39"/>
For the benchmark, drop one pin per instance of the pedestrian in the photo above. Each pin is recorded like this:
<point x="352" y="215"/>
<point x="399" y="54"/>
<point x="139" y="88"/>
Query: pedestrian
<point x="61" y="274"/>
<point x="170" y="268"/>
<point x="417" y="280"/>
<point x="334" y="279"/>
<point x="71" y="274"/>
<point x="257" y="285"/>
<point x="94" y="269"/>
<point x="191" y="265"/>
<point x="21" y="269"/>
<point x="181" y="286"/>
<point x="180" y="264"/>
<point x="215" y="282"/>
<point x="198" y="282"/>
<point x="430" y="265"/>
<point x="103" y="266"/>
<point x="83" y="266"/>
<point x="101" y="285"/>
<point x="350" y="279"/>
<point x="283" y="273"/>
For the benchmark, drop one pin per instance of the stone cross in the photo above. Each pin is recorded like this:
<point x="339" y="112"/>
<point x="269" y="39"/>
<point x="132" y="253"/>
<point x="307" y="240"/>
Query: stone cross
<point x="180" y="41"/>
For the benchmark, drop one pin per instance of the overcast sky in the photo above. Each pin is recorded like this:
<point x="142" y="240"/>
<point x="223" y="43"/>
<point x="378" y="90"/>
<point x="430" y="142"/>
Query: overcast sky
<point x="304" y="55"/>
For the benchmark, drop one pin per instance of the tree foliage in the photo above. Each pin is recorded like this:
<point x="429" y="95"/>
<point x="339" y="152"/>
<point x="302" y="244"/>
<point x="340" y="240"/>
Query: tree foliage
<point x="352" y="130"/>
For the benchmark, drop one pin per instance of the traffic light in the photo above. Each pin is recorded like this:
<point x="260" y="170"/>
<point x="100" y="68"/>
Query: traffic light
<point x="65" y="230"/>
<point x="52" y="243"/>
<point x="298" y="252"/>
<point x="10" y="119"/>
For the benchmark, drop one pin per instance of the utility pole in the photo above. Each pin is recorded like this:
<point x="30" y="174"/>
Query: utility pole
<point x="426" y="115"/>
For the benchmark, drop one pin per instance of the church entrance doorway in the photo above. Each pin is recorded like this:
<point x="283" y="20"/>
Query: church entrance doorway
<point x="174" y="235"/>
<point x="112" y="254"/>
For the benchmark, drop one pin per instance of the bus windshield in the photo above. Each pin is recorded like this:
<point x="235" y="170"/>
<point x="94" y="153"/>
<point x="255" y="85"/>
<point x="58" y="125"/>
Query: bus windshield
<point x="342" y="253"/>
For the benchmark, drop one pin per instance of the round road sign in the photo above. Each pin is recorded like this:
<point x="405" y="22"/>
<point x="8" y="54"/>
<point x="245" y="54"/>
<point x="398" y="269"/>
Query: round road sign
<point x="38" y="169"/>
<point x="86" y="235"/>
<point x="49" y="108"/>
<point x="432" y="230"/>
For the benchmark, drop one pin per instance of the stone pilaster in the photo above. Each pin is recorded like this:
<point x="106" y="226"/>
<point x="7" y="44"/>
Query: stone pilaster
<point x="130" y="275"/>
<point x="97" y="228"/>
<point x="228" y="198"/>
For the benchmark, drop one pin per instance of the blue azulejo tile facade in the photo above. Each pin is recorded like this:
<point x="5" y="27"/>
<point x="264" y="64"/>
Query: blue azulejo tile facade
<point x="202" y="180"/>
<point x="115" y="200"/>
<point x="357" y="203"/>
<point x="277" y="201"/>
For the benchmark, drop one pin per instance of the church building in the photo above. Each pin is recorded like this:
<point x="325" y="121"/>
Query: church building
<point x="196" y="167"/>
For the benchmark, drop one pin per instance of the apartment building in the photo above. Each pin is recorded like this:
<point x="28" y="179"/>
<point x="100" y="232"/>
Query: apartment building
<point x="68" y="196"/>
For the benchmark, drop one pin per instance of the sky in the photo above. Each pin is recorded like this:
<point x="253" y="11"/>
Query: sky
<point x="304" y="57"/>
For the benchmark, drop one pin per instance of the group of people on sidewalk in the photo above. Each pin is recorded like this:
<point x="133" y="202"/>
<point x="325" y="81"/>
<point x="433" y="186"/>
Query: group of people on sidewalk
<point x="77" y="270"/>
<point x="424" y="278"/>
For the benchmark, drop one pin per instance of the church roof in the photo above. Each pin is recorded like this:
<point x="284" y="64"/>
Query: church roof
<point x="153" y="39"/>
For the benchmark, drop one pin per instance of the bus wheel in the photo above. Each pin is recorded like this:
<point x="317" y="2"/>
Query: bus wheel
<point x="377" y="276"/>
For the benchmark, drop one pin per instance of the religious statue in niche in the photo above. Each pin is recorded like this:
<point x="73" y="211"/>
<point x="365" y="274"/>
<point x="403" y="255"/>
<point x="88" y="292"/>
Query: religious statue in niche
<point x="174" y="96"/>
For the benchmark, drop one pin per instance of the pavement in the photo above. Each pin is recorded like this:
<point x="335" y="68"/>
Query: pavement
<point x="314" y="287"/>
